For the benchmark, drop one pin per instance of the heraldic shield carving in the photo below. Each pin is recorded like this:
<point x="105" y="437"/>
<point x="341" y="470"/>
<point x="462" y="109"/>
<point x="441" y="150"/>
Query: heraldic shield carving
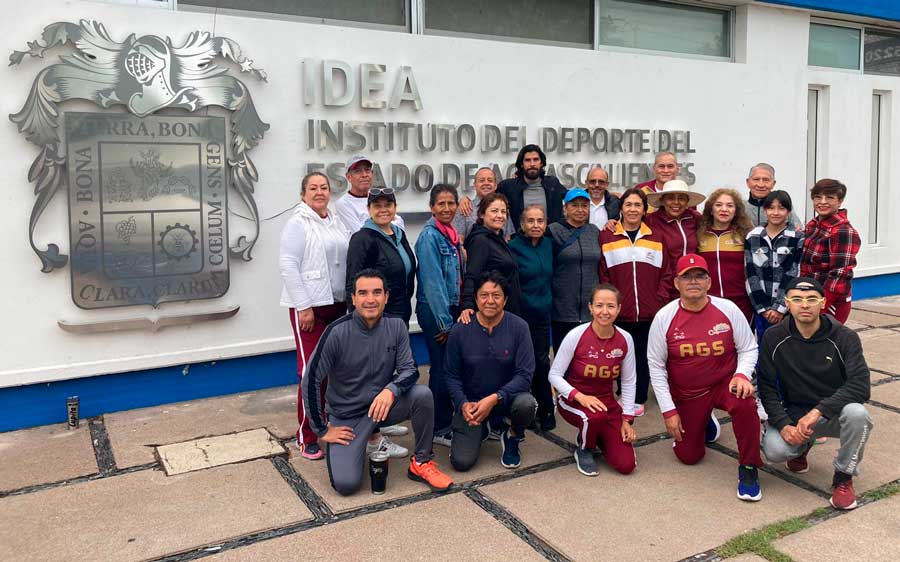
<point x="148" y="199"/>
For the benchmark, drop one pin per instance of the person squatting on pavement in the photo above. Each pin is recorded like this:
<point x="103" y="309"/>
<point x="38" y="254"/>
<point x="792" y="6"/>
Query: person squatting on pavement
<point x="488" y="368"/>
<point x="371" y="380"/>
<point x="702" y="354"/>
<point x="813" y="382"/>
<point x="313" y="263"/>
<point x="590" y="358"/>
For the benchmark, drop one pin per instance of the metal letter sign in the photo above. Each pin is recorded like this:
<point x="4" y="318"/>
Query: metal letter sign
<point x="147" y="193"/>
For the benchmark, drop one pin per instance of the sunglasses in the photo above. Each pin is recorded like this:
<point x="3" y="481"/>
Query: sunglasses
<point x="381" y="191"/>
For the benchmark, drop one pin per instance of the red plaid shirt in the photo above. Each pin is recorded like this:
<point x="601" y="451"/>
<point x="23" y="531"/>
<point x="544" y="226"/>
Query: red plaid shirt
<point x="829" y="254"/>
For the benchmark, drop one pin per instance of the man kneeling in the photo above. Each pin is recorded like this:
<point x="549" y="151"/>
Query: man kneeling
<point x="813" y="382"/>
<point x="359" y="354"/>
<point x="488" y="368"/>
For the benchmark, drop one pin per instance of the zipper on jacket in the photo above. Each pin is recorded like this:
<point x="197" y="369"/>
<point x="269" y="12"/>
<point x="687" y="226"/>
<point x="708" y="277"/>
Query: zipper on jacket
<point x="683" y="238"/>
<point x="719" y="266"/>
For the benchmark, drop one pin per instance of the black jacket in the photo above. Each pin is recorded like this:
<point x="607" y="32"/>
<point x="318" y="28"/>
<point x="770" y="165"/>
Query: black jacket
<point x="514" y="188"/>
<point x="826" y="372"/>
<point x="486" y="251"/>
<point x="613" y="206"/>
<point x="369" y="248"/>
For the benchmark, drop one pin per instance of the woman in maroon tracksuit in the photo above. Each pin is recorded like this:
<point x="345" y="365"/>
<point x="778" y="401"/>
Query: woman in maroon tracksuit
<point x="635" y="260"/>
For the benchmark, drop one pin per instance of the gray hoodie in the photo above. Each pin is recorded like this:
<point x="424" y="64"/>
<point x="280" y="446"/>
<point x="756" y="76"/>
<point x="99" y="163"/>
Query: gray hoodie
<point x="359" y="363"/>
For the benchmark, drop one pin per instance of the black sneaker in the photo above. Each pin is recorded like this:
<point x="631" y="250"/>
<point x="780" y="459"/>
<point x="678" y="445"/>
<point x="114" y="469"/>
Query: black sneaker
<point x="548" y="423"/>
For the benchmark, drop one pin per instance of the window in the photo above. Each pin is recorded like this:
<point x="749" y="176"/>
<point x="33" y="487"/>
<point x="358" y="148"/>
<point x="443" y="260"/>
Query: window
<point x="383" y="12"/>
<point x="660" y="26"/>
<point x="833" y="46"/>
<point x="881" y="52"/>
<point x="561" y="21"/>
<point x="878" y="167"/>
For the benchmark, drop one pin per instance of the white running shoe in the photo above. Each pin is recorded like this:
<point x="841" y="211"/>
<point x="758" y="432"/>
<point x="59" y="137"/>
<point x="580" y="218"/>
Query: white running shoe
<point x="387" y="446"/>
<point x="445" y="439"/>
<point x="394" y="430"/>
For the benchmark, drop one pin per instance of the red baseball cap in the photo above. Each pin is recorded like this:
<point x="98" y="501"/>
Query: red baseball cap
<point x="690" y="261"/>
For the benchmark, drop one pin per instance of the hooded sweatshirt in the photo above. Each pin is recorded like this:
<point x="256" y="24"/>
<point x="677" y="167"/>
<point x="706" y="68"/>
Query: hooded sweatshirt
<point x="826" y="372"/>
<point x="370" y="247"/>
<point x="486" y="251"/>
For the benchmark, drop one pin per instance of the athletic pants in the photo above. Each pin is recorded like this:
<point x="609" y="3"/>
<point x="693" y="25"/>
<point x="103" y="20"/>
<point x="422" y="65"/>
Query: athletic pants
<point x="306" y="343"/>
<point x="841" y="310"/>
<point x="853" y="426"/>
<point x="540" y="386"/>
<point x="640" y="332"/>
<point x="466" y="444"/>
<point x="601" y="429"/>
<point x="695" y="414"/>
<point x="346" y="463"/>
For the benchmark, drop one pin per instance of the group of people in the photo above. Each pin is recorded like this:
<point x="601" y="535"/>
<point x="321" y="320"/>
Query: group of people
<point x="630" y="290"/>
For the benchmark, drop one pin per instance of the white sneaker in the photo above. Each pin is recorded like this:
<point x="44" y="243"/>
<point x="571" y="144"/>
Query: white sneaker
<point x="394" y="430"/>
<point x="386" y="445"/>
<point x="444" y="439"/>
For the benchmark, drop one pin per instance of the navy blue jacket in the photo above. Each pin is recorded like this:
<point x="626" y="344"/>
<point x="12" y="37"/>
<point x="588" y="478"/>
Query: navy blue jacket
<point x="478" y="364"/>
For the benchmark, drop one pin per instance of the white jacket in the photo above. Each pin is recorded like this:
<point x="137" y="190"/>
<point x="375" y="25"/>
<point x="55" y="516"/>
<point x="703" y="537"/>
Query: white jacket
<point x="312" y="259"/>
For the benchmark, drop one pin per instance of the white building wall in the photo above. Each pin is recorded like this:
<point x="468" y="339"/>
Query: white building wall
<point x="753" y="109"/>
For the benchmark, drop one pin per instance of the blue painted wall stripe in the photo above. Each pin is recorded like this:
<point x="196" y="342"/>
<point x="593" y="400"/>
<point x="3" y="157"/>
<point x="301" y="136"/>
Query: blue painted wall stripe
<point x="883" y="9"/>
<point x="41" y="404"/>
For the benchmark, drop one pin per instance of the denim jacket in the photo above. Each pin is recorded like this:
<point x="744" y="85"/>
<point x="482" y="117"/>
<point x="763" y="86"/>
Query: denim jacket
<point x="439" y="274"/>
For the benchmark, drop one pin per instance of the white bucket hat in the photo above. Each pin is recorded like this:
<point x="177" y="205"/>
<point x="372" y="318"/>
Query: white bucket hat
<point x="675" y="186"/>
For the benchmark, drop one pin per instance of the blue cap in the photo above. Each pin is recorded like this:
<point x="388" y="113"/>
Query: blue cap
<point x="575" y="194"/>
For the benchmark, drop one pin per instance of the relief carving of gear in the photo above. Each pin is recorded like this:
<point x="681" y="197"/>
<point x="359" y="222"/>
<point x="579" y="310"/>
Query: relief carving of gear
<point x="178" y="241"/>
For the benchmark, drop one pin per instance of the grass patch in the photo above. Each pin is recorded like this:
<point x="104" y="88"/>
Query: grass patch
<point x="883" y="492"/>
<point x="759" y="542"/>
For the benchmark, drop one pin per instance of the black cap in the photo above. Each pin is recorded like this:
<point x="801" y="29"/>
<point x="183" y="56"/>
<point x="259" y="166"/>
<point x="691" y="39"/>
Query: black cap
<point x="805" y="284"/>
<point x="381" y="193"/>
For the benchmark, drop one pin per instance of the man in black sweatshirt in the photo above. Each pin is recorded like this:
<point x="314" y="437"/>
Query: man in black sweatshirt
<point x="488" y="367"/>
<point x="813" y="382"/>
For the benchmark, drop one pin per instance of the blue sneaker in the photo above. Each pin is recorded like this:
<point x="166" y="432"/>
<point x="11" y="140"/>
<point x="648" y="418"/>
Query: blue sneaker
<point x="713" y="429"/>
<point x="748" y="484"/>
<point x="511" y="457"/>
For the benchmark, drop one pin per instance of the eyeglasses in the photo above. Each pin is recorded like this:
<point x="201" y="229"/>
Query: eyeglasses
<point x="696" y="277"/>
<point x="381" y="191"/>
<point x="597" y="182"/>
<point x="805" y="300"/>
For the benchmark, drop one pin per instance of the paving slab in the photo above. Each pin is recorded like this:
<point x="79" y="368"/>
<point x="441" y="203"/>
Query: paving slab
<point x="887" y="393"/>
<point x="871" y="533"/>
<point x="885" y="305"/>
<point x="145" y="514"/>
<point x="134" y="434"/>
<point x="535" y="450"/>
<point x="747" y="558"/>
<point x="880" y="347"/>
<point x="200" y="454"/>
<point x="45" y="454"/>
<point x="676" y="510"/>
<point x="879" y="465"/>
<point x="449" y="528"/>
<point x="877" y="319"/>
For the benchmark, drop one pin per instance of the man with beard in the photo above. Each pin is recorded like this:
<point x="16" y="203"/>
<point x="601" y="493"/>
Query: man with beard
<point x="532" y="187"/>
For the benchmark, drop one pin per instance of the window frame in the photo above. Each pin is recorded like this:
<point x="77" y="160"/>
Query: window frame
<point x="732" y="23"/>
<point x="838" y="23"/>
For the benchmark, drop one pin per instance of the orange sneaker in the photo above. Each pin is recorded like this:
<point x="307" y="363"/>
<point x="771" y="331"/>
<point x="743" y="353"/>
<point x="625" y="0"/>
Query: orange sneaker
<point x="429" y="474"/>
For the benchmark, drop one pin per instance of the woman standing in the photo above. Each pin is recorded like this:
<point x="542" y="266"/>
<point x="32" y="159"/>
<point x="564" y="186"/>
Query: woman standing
<point x="675" y="220"/>
<point x="590" y="358"/>
<point x="437" y="296"/>
<point x="576" y="256"/>
<point x="635" y="261"/>
<point x="534" y="254"/>
<point x="313" y="263"/>
<point x="383" y="246"/>
<point x="724" y="226"/>
<point x="486" y="250"/>
<point x="830" y="248"/>
<point x="772" y="258"/>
